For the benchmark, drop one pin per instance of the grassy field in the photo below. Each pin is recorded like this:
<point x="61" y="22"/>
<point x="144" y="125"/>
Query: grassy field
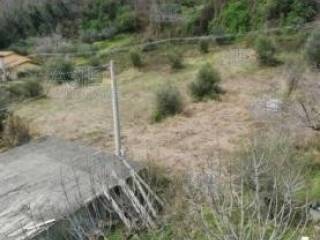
<point x="202" y="129"/>
<point x="205" y="137"/>
<point x="241" y="163"/>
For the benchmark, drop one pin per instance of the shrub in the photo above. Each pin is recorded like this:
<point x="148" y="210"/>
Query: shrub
<point x="219" y="33"/>
<point x="90" y="36"/>
<point x="312" y="49"/>
<point x="94" y="61"/>
<point x="188" y="3"/>
<point x="60" y="71"/>
<point x="257" y="195"/>
<point x="33" y="88"/>
<point x="28" y="73"/>
<point x="168" y="102"/>
<point x="204" y="46"/>
<point x="3" y="107"/>
<point x="26" y="89"/>
<point x="16" y="132"/>
<point x="175" y="59"/>
<point x="302" y="12"/>
<point x="3" y="116"/>
<point x="15" y="90"/>
<point x="260" y="163"/>
<point x="85" y="50"/>
<point x="266" y="50"/>
<point x="20" y="47"/>
<point x="236" y="16"/>
<point x="206" y="84"/>
<point x="197" y="22"/>
<point x="292" y="42"/>
<point x="292" y="12"/>
<point x="126" y="20"/>
<point x="136" y="58"/>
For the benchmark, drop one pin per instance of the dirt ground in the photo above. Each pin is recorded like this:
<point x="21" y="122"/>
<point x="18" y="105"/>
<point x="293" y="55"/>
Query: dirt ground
<point x="204" y="132"/>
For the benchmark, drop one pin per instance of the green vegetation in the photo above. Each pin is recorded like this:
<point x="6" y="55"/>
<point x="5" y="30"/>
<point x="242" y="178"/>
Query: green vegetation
<point x="25" y="89"/>
<point x="313" y="49"/>
<point x="3" y="116"/>
<point x="16" y="131"/>
<point x="221" y="37"/>
<point x="3" y="107"/>
<point x="259" y="189"/>
<point x="175" y="59"/>
<point x="290" y="40"/>
<point x="204" y="46"/>
<point x="33" y="88"/>
<point x="136" y="58"/>
<point x="168" y="102"/>
<point x="290" y="12"/>
<point x="13" y="130"/>
<point x="60" y="70"/>
<point x="266" y="50"/>
<point x="206" y="85"/>
<point x="105" y="19"/>
<point x="236" y="17"/>
<point x="241" y="16"/>
<point x="94" y="61"/>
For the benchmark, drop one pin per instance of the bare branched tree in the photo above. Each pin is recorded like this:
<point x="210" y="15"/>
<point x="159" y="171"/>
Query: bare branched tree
<point x="256" y="201"/>
<point x="306" y="94"/>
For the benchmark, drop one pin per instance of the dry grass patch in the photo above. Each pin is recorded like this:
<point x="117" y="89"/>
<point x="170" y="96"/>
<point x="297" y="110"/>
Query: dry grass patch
<point x="179" y="142"/>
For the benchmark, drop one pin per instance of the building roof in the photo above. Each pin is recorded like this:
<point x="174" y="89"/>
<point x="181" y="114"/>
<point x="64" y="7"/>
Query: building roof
<point x="12" y="60"/>
<point x="43" y="181"/>
<point x="5" y="53"/>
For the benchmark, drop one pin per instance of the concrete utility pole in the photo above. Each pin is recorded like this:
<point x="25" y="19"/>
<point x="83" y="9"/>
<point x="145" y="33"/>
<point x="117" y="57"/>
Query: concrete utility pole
<point x="115" y="108"/>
